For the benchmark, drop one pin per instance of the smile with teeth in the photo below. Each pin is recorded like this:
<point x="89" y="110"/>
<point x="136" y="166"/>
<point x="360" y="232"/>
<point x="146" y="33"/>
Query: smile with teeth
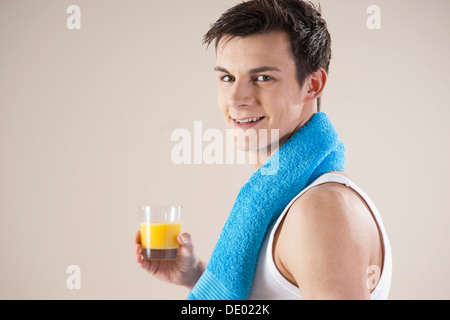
<point x="248" y="120"/>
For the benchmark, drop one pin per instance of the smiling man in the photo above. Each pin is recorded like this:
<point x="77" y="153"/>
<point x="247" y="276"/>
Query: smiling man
<point x="259" y="88"/>
<point x="317" y="234"/>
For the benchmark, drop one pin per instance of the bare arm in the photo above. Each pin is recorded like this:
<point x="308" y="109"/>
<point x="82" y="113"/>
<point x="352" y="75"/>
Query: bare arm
<point x="325" y="246"/>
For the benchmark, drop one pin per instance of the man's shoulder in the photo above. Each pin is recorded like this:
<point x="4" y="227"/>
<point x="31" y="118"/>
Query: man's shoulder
<point x="333" y="210"/>
<point x="327" y="203"/>
<point x="326" y="241"/>
<point x="328" y="236"/>
<point x="326" y="196"/>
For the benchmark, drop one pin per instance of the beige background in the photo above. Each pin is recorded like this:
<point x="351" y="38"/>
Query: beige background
<point x="86" y="117"/>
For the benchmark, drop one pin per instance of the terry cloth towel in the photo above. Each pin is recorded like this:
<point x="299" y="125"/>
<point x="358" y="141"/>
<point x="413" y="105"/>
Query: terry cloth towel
<point x="313" y="150"/>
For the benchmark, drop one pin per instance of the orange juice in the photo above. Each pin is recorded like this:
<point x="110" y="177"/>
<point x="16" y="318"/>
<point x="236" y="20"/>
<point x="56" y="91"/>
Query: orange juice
<point x="159" y="240"/>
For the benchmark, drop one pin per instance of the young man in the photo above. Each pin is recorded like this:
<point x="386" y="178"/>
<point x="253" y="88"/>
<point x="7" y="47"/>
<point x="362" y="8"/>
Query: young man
<point x="329" y="242"/>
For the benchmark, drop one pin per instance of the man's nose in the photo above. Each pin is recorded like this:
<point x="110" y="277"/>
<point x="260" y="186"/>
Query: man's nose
<point x="241" y="94"/>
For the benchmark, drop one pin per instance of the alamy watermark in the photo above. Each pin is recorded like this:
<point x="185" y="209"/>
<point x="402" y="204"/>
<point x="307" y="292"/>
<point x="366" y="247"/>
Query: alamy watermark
<point x="73" y="22"/>
<point x="374" y="273"/>
<point x="374" y="20"/>
<point x="237" y="146"/>
<point x="73" y="281"/>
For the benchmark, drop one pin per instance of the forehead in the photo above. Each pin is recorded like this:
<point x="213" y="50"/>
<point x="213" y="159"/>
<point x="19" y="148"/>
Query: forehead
<point x="255" y="50"/>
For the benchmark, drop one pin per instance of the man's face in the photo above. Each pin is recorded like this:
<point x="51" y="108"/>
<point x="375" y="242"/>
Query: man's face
<point x="258" y="83"/>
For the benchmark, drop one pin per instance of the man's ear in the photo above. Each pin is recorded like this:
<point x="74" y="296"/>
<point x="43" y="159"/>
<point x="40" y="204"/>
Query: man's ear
<point x="316" y="84"/>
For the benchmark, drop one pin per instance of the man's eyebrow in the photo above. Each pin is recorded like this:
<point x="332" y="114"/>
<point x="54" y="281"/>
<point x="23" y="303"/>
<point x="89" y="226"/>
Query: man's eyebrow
<point x="264" y="69"/>
<point x="251" y="71"/>
<point x="221" y="69"/>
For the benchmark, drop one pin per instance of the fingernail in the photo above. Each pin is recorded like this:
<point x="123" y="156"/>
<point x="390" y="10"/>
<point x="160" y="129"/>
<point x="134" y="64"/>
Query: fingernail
<point x="184" y="239"/>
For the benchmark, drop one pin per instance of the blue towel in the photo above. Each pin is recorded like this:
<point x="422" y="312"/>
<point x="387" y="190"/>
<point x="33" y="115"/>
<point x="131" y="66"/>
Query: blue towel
<point x="312" y="151"/>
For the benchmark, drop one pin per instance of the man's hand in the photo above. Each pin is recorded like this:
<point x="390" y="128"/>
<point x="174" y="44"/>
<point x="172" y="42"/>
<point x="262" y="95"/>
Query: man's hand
<point x="184" y="271"/>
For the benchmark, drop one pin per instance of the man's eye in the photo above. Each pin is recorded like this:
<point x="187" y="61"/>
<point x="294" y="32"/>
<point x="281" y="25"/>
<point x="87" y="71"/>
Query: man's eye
<point x="227" y="78"/>
<point x="263" y="78"/>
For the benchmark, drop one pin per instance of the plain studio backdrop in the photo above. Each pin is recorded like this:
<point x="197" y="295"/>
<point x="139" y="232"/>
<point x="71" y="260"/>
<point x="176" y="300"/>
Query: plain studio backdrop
<point x="86" y="117"/>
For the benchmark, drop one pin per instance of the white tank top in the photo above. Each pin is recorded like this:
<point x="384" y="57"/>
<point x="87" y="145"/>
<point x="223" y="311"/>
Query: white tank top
<point x="270" y="284"/>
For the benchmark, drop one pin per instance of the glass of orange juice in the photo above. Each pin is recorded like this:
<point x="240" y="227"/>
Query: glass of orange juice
<point x="160" y="226"/>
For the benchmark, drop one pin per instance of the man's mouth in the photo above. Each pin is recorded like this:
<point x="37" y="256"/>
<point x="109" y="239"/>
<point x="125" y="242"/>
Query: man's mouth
<point x="248" y="120"/>
<point x="246" y="123"/>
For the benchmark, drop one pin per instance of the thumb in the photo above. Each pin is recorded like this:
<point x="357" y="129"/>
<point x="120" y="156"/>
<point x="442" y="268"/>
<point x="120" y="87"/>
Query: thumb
<point x="185" y="241"/>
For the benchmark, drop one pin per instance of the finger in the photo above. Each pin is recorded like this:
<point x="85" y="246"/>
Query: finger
<point x="137" y="248"/>
<point x="149" y="266"/>
<point x="145" y="264"/>
<point x="137" y="238"/>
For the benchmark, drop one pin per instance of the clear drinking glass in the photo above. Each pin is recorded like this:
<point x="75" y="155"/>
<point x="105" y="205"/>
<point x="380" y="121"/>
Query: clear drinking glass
<point x="160" y="226"/>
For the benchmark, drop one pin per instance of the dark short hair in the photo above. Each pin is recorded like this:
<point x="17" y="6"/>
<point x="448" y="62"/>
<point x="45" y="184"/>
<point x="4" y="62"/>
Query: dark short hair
<point x="302" y="22"/>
